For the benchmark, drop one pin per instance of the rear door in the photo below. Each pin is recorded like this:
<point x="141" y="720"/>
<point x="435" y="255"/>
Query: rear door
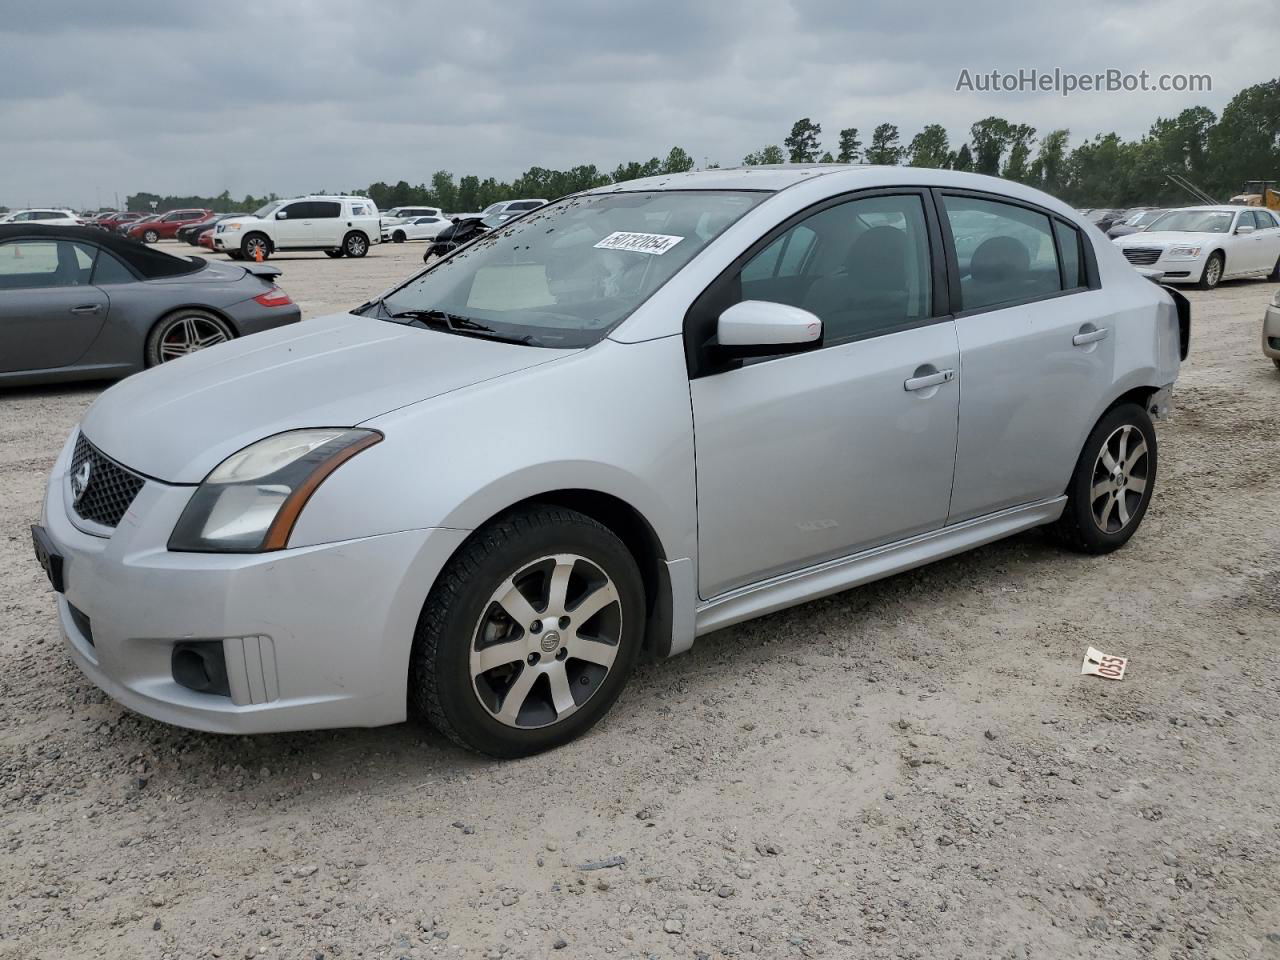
<point x="328" y="227"/>
<point x="1037" y="349"/>
<point x="808" y="457"/>
<point x="1269" y="231"/>
<point x="49" y="312"/>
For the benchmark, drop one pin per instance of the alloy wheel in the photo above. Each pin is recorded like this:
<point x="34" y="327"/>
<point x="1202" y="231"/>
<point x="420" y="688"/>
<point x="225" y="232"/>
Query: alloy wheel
<point x="1119" y="479"/>
<point x="1213" y="271"/>
<point x="546" y="641"/>
<point x="189" y="334"/>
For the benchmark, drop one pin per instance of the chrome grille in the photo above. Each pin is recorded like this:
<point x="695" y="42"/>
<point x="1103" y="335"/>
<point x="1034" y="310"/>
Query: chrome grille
<point x="109" y="489"/>
<point x="1142" y="256"/>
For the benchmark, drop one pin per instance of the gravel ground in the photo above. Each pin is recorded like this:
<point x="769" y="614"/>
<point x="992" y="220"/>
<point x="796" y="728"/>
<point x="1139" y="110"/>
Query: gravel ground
<point x="913" y="769"/>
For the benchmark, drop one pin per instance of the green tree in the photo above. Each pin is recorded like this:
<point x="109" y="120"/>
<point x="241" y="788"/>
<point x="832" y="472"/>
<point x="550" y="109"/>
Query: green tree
<point x="929" y="147"/>
<point x="989" y="138"/>
<point x="469" y="192"/>
<point x="804" y="141"/>
<point x="1245" y="142"/>
<point x="885" y="148"/>
<point x="1047" y="168"/>
<point x="444" y="193"/>
<point x="678" y="161"/>
<point x="771" y="154"/>
<point x="963" y="159"/>
<point x="850" y="146"/>
<point x="1019" y="140"/>
<point x="827" y="158"/>
<point x="635" y="170"/>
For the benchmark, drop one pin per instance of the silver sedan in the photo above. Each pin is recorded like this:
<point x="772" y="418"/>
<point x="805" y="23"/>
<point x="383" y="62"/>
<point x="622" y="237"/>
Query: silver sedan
<point x="606" y="428"/>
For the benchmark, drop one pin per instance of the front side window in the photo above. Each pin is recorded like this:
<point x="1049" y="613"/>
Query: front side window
<point x="567" y="273"/>
<point x="862" y="267"/>
<point x="31" y="264"/>
<point x="1005" y="253"/>
<point x="296" y="211"/>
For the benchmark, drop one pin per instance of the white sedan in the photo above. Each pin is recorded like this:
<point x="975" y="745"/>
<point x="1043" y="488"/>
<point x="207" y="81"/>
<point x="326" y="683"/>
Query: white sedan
<point x="419" y="228"/>
<point x="1206" y="245"/>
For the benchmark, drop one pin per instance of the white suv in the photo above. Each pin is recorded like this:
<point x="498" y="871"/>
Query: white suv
<point x="48" y="216"/>
<point x="340" y="226"/>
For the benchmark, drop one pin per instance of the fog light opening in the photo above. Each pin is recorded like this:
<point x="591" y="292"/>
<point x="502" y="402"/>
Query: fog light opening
<point x="201" y="666"/>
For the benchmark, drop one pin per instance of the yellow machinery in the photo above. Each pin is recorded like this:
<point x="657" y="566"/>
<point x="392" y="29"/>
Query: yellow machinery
<point x="1259" y="193"/>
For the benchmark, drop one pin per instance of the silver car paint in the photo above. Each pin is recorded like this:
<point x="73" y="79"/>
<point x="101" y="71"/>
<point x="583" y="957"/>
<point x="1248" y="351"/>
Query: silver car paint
<point x="470" y="430"/>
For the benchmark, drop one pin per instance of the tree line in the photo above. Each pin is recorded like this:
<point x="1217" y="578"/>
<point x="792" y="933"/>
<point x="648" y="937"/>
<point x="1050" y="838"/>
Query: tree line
<point x="1217" y="153"/>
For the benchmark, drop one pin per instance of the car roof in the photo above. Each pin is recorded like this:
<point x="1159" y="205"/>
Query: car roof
<point x="148" y="261"/>
<point x="764" y="177"/>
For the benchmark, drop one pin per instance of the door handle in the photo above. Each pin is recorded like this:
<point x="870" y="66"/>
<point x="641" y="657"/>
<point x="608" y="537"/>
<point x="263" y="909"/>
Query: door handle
<point x="1090" y="336"/>
<point x="929" y="380"/>
<point x="87" y="308"/>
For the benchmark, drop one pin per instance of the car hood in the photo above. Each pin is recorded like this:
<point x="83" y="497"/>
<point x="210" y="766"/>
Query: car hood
<point x="1169" y="238"/>
<point x="176" y="422"/>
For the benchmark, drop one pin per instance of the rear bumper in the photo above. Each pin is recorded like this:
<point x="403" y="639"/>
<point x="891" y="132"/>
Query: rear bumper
<point x="249" y="316"/>
<point x="313" y="637"/>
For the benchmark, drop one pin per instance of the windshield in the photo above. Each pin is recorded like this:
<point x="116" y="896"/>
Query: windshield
<point x="1145" y="217"/>
<point x="1194" y="221"/>
<point x="566" y="274"/>
<point x="266" y="211"/>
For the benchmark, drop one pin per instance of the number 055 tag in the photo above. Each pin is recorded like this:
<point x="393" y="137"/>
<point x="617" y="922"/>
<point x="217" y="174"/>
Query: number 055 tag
<point x="1099" y="664"/>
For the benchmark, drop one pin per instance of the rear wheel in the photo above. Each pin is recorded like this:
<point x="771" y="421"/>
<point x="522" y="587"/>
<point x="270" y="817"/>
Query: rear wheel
<point x="529" y="634"/>
<point x="1112" y="484"/>
<point x="355" y="244"/>
<point x="184" y="332"/>
<point x="1212" y="275"/>
<point x="150" y="236"/>
<point x="398" y="236"/>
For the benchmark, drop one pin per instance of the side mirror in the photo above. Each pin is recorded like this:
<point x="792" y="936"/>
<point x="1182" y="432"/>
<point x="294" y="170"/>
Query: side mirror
<point x="282" y="215"/>
<point x="759" y="328"/>
<point x="1244" y="228"/>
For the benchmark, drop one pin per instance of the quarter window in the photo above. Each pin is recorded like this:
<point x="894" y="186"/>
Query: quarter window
<point x="1005" y="253"/>
<point x="108" y="270"/>
<point x="862" y="267"/>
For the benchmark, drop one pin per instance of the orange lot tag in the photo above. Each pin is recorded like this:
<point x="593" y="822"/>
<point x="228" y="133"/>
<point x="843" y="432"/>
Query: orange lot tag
<point x="1099" y="664"/>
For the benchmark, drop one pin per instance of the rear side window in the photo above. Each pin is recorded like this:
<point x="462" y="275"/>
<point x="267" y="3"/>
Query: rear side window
<point x="1069" y="241"/>
<point x="1005" y="253"/>
<point x="108" y="270"/>
<point x="325" y="209"/>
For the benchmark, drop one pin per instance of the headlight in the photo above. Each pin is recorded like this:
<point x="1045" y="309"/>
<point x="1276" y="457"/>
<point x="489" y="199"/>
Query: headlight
<point x="1184" y="252"/>
<point x="251" y="501"/>
<point x="230" y="226"/>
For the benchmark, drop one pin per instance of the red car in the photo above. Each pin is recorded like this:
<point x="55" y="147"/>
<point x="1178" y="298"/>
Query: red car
<point x="165" y="227"/>
<point x="206" y="238"/>
<point x="113" y="220"/>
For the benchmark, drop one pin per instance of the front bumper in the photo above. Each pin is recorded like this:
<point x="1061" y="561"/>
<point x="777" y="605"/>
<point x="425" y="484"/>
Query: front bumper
<point x="1271" y="332"/>
<point x="313" y="637"/>
<point x="1174" y="269"/>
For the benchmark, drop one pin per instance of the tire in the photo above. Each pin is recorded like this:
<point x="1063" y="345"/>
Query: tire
<point x="1213" y="268"/>
<point x="235" y="254"/>
<point x="355" y="244"/>
<point x="1274" y="275"/>
<point x="150" y="236"/>
<point x="1276" y="362"/>
<point x="184" y="332"/>
<point x="471" y="703"/>
<point x="335" y="254"/>
<point x="1103" y="523"/>
<point x="250" y="244"/>
<point x="398" y="236"/>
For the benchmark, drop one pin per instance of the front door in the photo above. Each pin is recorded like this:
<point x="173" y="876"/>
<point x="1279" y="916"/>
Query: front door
<point x="49" y="313"/>
<point x="813" y="456"/>
<point x="294" y="226"/>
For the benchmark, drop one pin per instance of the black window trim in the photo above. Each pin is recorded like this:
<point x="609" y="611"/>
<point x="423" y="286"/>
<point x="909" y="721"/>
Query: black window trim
<point x="698" y="358"/>
<point x="1090" y="260"/>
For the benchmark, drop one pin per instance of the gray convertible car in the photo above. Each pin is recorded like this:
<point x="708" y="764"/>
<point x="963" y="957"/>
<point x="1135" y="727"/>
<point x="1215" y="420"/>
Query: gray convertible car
<point x="80" y="304"/>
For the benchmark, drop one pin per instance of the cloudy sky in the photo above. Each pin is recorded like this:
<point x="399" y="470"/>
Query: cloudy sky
<point x="106" y="97"/>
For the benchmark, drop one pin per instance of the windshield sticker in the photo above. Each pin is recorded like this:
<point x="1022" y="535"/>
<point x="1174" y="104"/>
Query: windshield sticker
<point x="654" y="243"/>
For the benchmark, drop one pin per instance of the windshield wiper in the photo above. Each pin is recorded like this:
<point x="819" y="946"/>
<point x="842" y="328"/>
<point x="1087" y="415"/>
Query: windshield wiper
<point x="454" y="323"/>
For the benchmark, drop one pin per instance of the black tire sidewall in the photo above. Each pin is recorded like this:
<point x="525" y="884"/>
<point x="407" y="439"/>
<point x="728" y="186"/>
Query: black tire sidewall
<point x="451" y="666"/>
<point x="1095" y="539"/>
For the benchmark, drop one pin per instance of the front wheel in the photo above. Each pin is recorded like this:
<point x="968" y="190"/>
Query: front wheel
<point x="355" y="244"/>
<point x="150" y="236"/>
<point x="255" y="247"/>
<point x="1112" y="485"/>
<point x="529" y="634"/>
<point x="398" y="236"/>
<point x="1212" y="275"/>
